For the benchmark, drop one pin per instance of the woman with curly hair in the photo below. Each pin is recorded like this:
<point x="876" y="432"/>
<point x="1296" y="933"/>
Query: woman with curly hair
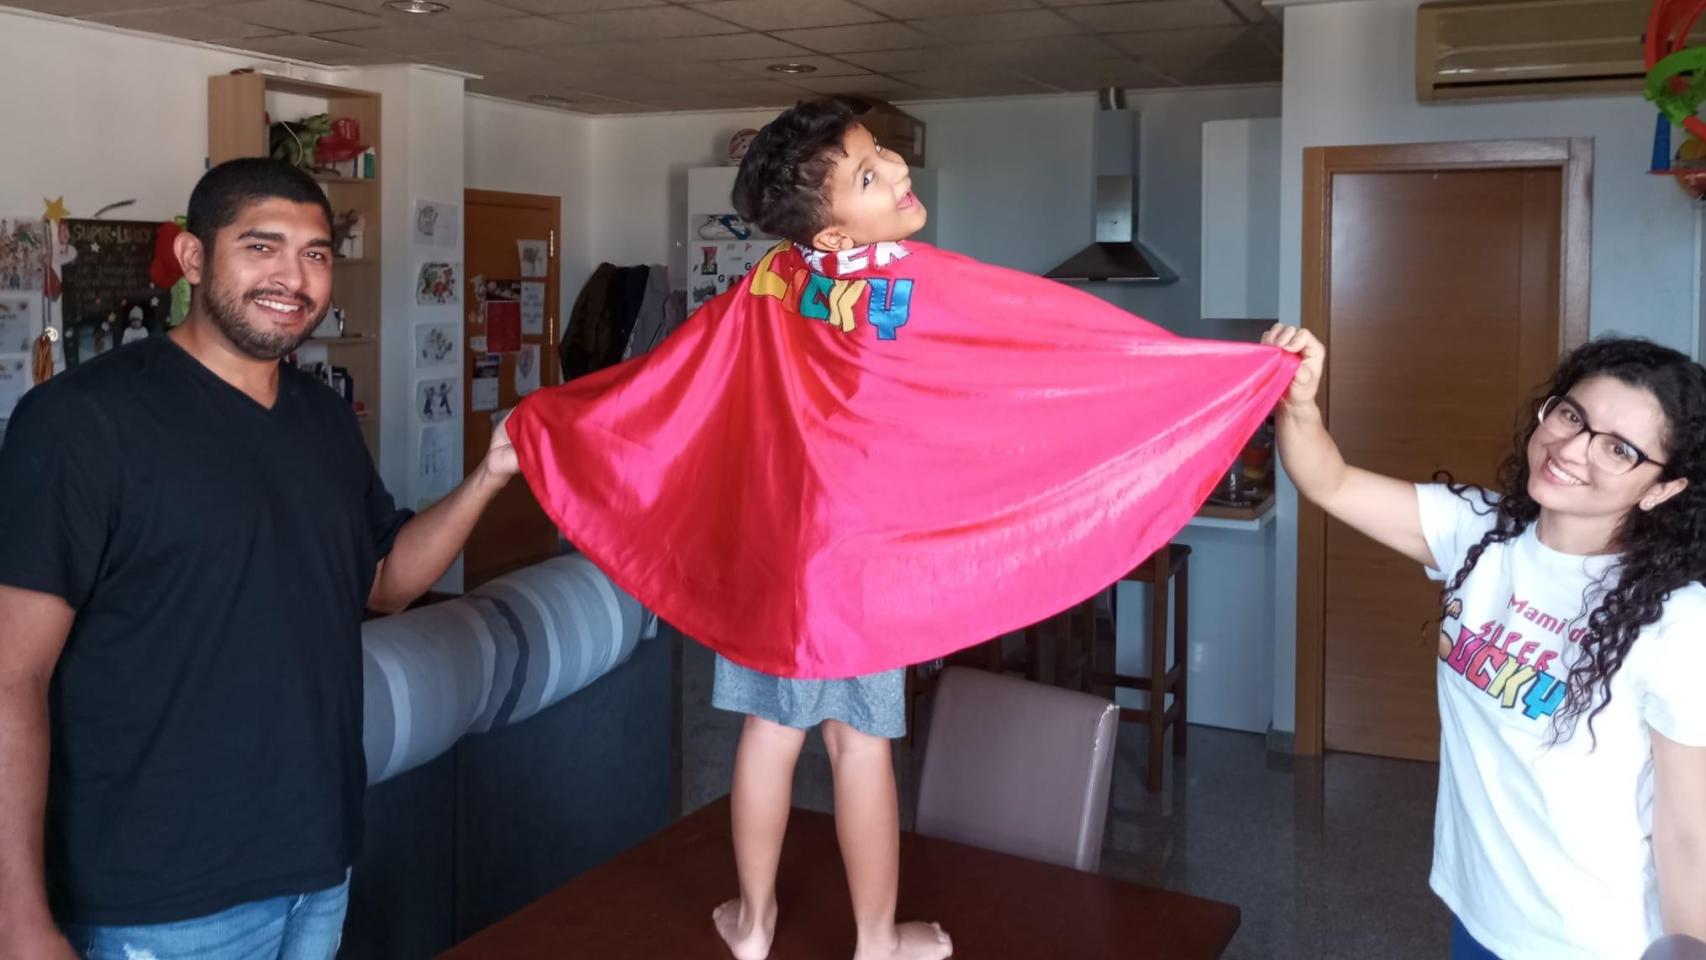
<point x="1571" y="819"/>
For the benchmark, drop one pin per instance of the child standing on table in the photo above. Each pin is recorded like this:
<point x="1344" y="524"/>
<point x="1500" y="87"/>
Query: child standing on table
<point x="871" y="453"/>
<point x="816" y="177"/>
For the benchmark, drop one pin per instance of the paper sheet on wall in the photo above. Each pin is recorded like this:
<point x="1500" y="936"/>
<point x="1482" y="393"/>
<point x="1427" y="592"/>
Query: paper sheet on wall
<point x="15" y="379"/>
<point x="527" y="369"/>
<point x="436" y="284"/>
<point x="435" y="345"/>
<point x="432" y="400"/>
<point x="23" y="253"/>
<point x="435" y="465"/>
<point x="485" y="383"/>
<point x="535" y="257"/>
<point x="437" y="224"/>
<point x="18" y="322"/>
<point x="532" y="309"/>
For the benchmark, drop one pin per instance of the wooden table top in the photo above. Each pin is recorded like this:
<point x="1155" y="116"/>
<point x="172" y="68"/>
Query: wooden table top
<point x="655" y="902"/>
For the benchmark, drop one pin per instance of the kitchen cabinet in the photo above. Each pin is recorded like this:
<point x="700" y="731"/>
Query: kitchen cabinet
<point x="1240" y="218"/>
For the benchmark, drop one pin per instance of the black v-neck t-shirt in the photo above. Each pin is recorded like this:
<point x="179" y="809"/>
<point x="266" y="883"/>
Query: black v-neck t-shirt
<point x="206" y="710"/>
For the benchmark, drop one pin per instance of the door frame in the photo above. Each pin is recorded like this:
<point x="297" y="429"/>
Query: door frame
<point x="1573" y="157"/>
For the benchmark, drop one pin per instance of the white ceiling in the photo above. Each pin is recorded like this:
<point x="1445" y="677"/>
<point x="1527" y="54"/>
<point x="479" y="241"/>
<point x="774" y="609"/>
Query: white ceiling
<point x="637" y="56"/>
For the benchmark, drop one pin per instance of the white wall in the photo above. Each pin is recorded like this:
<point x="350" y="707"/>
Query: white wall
<point x="1015" y="181"/>
<point x="1017" y="184"/>
<point x="639" y="173"/>
<point x="101" y="116"/>
<point x="1350" y="79"/>
<point x="423" y="123"/>
<point x="524" y="149"/>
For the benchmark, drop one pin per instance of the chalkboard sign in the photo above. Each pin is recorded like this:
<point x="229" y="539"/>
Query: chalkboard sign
<point x="108" y="299"/>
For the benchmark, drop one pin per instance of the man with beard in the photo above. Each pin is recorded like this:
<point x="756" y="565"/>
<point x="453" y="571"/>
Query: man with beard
<point x="189" y="533"/>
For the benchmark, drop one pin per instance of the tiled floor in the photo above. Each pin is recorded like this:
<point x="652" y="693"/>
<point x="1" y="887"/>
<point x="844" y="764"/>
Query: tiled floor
<point x="1326" y="859"/>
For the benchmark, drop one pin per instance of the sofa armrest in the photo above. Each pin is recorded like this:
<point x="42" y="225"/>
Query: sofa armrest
<point x="493" y="657"/>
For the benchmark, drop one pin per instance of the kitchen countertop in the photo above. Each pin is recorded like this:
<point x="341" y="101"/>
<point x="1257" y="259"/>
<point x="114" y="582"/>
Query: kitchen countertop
<point x="1251" y="517"/>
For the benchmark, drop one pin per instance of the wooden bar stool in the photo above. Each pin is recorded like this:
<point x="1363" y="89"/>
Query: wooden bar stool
<point x="1073" y="632"/>
<point x="1168" y="573"/>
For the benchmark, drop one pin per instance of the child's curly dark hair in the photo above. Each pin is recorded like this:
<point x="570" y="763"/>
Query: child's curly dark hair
<point x="1658" y="550"/>
<point x="780" y="185"/>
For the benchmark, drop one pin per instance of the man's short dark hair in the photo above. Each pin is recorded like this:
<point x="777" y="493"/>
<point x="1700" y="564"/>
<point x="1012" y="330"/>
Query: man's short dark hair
<point x="781" y="183"/>
<point x="224" y="191"/>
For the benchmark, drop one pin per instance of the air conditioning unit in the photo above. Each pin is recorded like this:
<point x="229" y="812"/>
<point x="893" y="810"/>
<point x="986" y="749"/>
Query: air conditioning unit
<point x="1484" y="49"/>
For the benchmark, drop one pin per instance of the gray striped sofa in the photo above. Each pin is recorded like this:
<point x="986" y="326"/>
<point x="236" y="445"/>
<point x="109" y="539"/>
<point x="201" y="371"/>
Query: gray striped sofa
<point x="569" y="761"/>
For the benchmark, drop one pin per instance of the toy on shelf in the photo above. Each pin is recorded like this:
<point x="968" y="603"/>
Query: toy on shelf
<point x="1676" y="84"/>
<point x="321" y="145"/>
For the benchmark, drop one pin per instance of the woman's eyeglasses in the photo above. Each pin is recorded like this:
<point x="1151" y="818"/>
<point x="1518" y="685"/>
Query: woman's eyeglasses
<point x="1608" y="452"/>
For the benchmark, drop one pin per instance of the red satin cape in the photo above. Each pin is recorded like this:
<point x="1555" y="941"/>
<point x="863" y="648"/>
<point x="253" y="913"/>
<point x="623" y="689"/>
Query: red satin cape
<point x="858" y="461"/>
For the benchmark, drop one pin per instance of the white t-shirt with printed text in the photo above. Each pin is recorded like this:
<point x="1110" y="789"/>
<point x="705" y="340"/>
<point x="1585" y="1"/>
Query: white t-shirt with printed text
<point x="1544" y="850"/>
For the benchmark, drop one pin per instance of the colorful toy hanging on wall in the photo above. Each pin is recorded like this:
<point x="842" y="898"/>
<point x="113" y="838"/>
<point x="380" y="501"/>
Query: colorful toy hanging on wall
<point x="1676" y="84"/>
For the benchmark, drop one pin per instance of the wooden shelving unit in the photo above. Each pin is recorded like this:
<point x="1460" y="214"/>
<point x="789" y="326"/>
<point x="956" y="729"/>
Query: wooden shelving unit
<point x="237" y="118"/>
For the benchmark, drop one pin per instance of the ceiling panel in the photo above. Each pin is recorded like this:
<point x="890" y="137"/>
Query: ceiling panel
<point x="577" y="6"/>
<point x="919" y="9"/>
<point x="300" y="16"/>
<point x="734" y="46"/>
<point x="788" y="14"/>
<point x="648" y="23"/>
<point x="870" y="36"/>
<point x="526" y="32"/>
<point x="187" y="24"/>
<point x="821" y="67"/>
<point x="627" y="56"/>
<point x="455" y="10"/>
<point x="975" y="82"/>
<point x="1013" y="25"/>
<point x="1154" y="15"/>
<point x="402" y="40"/>
<point x="1091" y="74"/>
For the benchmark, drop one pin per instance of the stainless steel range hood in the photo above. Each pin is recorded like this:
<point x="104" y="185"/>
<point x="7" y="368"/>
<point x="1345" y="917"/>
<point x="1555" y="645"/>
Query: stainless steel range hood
<point x="1116" y="255"/>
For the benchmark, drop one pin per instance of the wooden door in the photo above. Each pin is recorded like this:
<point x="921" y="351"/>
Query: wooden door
<point x="1442" y="303"/>
<point x="514" y="532"/>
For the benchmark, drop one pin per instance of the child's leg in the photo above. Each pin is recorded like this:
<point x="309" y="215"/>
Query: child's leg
<point x="867" y="822"/>
<point x="763" y="791"/>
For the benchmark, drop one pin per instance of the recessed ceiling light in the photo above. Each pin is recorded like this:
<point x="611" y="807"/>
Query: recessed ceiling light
<point x="548" y="100"/>
<point x="791" y="68"/>
<point x="417" y="7"/>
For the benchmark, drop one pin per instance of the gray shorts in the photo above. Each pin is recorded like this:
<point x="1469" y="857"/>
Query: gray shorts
<point x="874" y="704"/>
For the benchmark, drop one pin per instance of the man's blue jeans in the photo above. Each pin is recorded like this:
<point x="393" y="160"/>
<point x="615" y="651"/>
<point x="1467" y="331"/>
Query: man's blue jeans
<point x="305" y="927"/>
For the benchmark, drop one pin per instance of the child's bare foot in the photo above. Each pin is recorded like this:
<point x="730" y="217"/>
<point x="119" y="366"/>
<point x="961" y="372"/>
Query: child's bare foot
<point x="912" y="941"/>
<point x="747" y="933"/>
